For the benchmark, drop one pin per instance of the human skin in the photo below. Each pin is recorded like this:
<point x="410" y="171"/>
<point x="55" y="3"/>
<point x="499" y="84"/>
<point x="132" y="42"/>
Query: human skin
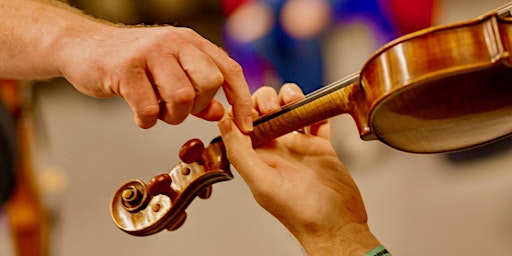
<point x="299" y="179"/>
<point x="162" y="72"/>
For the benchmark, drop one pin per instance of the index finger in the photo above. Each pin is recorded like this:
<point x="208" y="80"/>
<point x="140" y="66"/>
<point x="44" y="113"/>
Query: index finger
<point x="235" y="86"/>
<point x="237" y="93"/>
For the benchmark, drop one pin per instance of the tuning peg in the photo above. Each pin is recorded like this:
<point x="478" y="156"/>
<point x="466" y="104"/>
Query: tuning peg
<point x="192" y="151"/>
<point x="205" y="193"/>
<point x="161" y="185"/>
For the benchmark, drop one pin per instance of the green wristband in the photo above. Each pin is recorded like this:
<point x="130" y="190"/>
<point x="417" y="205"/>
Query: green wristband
<point x="378" y="251"/>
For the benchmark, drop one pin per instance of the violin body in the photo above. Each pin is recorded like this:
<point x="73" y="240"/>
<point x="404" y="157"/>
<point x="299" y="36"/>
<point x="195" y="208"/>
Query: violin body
<point x="444" y="89"/>
<point x="441" y="89"/>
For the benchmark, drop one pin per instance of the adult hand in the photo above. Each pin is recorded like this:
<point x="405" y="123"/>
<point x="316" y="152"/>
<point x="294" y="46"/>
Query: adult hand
<point x="162" y="72"/>
<point x="299" y="179"/>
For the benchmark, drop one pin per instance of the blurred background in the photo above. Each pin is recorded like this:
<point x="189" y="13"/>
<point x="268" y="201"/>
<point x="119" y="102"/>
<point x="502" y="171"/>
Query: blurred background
<point x="83" y="149"/>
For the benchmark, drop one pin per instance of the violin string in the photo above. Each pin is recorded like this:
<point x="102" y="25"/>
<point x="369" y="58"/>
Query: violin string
<point x="346" y="81"/>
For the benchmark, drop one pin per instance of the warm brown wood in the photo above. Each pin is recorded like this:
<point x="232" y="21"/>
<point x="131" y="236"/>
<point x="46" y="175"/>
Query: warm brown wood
<point x="437" y="90"/>
<point x="191" y="151"/>
<point x="159" y="185"/>
<point x="153" y="213"/>
<point x="440" y="89"/>
<point x="341" y="97"/>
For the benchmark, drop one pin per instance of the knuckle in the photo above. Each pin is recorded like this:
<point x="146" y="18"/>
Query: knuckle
<point x="233" y="67"/>
<point x="216" y="80"/>
<point x="184" y="33"/>
<point x="173" y="117"/>
<point x="184" y="95"/>
<point x="267" y="89"/>
<point x="264" y="90"/>
<point x="148" y="111"/>
<point x="172" y="120"/>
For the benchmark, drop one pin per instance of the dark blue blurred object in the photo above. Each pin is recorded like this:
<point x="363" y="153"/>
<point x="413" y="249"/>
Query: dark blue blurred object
<point x="300" y="60"/>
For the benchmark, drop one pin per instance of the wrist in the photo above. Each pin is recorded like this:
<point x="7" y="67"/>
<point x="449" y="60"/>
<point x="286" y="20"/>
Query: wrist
<point x="378" y="251"/>
<point x="76" y="37"/>
<point x="352" y="240"/>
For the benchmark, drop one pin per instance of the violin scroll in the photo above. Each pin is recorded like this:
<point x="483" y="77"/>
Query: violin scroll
<point x="142" y="209"/>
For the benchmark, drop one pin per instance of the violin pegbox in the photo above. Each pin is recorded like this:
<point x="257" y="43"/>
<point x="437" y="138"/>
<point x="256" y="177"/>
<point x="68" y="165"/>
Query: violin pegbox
<point x="142" y="209"/>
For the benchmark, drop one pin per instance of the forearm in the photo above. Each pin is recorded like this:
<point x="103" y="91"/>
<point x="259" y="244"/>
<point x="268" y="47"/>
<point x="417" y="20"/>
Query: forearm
<point x="34" y="35"/>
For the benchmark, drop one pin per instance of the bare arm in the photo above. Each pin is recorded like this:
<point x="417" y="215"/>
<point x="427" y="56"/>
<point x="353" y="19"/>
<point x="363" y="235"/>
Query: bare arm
<point x="30" y="35"/>
<point x="162" y="72"/>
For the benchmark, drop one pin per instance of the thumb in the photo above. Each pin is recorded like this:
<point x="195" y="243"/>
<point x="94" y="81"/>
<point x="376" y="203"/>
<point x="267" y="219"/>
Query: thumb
<point x="240" y="151"/>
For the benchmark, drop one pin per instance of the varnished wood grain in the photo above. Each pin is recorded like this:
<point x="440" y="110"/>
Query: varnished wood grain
<point x="437" y="90"/>
<point x="441" y="89"/>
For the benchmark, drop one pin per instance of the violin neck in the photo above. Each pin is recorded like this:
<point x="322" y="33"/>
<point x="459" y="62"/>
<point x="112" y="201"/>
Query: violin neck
<point x="504" y="11"/>
<point x="329" y="101"/>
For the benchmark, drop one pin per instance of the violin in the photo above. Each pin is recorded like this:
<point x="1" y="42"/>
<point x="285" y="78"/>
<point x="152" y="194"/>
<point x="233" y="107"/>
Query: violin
<point x="441" y="89"/>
